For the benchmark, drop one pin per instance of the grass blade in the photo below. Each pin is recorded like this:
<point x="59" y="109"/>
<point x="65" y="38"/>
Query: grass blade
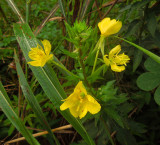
<point x="47" y="78"/>
<point x="33" y="102"/>
<point x="15" y="9"/>
<point x="15" y="120"/>
<point x="5" y="93"/>
<point x="61" y="7"/>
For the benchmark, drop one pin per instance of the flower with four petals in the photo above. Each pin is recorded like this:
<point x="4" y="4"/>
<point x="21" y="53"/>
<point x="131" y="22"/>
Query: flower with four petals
<point x="115" y="60"/>
<point x="40" y="55"/>
<point x="79" y="102"/>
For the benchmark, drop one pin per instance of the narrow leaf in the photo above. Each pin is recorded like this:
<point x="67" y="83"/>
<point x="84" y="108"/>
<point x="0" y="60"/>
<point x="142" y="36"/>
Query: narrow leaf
<point x="15" y="120"/>
<point x="62" y="8"/>
<point x="32" y="101"/>
<point x="15" y="9"/>
<point x="5" y="93"/>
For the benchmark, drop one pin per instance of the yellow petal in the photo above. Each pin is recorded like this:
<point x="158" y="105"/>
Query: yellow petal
<point x="71" y="101"/>
<point x="36" y="53"/>
<point x="74" y="111"/>
<point x="109" y="27"/>
<point x="47" y="46"/>
<point x="35" y="63"/>
<point x="82" y="112"/>
<point x="114" y="51"/>
<point x="64" y="106"/>
<point x="49" y="57"/>
<point x="103" y="25"/>
<point x="93" y="106"/>
<point x="106" y="60"/>
<point x="117" y="68"/>
<point x="80" y="88"/>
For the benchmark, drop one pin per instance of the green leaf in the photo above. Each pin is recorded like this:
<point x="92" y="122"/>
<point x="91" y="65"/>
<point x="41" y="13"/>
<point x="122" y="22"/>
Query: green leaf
<point x="152" y="65"/>
<point x="47" y="78"/>
<point x="15" y="120"/>
<point x="156" y="38"/>
<point x="62" y="8"/>
<point x="15" y="10"/>
<point x="70" y="54"/>
<point x="96" y="75"/>
<point x="11" y="129"/>
<point x="108" y="92"/>
<point x="157" y="96"/>
<point x="125" y="137"/>
<point x="5" y="93"/>
<point x="148" y="81"/>
<point x="33" y="102"/>
<point x="114" y="115"/>
<point x="151" y="23"/>
<point x="133" y="27"/>
<point x="137" y="59"/>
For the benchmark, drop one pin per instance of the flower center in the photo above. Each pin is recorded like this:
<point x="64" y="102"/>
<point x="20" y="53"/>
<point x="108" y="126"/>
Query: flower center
<point x="82" y="95"/>
<point x="40" y="53"/>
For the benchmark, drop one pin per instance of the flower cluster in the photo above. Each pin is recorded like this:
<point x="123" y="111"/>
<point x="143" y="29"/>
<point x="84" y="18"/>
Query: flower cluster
<point x="80" y="102"/>
<point x="117" y="62"/>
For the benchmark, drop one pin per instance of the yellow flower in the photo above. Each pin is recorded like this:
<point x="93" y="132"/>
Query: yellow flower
<point x="40" y="55"/>
<point x="109" y="27"/>
<point x="79" y="102"/>
<point x="117" y="62"/>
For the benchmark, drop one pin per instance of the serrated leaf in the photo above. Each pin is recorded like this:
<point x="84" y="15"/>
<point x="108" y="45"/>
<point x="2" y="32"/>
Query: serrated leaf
<point x="148" y="81"/>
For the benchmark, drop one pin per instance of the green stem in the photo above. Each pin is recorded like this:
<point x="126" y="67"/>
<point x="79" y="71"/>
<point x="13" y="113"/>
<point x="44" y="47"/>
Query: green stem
<point x="95" y="61"/>
<point x="62" y="67"/>
<point x="83" y="67"/>
<point x="84" y="73"/>
<point x="150" y="54"/>
<point x="100" y="44"/>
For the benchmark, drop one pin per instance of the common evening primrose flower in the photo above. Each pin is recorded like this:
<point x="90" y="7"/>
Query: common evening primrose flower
<point x="115" y="60"/>
<point x="39" y="55"/>
<point x="79" y="102"/>
<point x="109" y="27"/>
